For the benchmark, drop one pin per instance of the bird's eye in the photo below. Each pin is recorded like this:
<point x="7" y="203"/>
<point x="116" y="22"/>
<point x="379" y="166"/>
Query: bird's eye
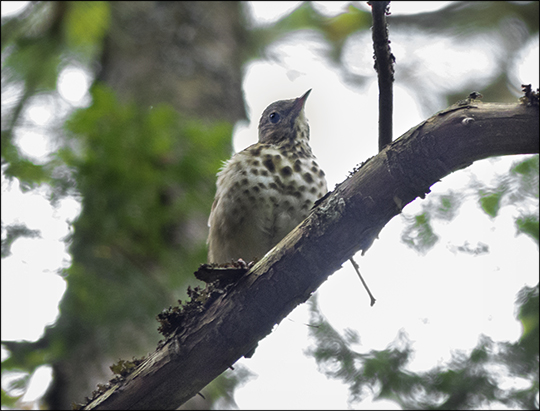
<point x="274" y="117"/>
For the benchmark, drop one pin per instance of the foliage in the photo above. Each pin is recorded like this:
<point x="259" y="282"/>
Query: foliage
<point x="468" y="381"/>
<point x="129" y="164"/>
<point x="125" y="225"/>
<point x="335" y="30"/>
<point x="128" y="181"/>
<point x="419" y="234"/>
<point x="517" y="188"/>
<point x="145" y="179"/>
<point x="14" y="232"/>
<point x="475" y="379"/>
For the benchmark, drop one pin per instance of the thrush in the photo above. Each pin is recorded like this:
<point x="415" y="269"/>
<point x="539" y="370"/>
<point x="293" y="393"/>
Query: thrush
<point x="266" y="190"/>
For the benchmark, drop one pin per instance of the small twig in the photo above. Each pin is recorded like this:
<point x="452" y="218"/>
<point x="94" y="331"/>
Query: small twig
<point x="357" y="268"/>
<point x="384" y="65"/>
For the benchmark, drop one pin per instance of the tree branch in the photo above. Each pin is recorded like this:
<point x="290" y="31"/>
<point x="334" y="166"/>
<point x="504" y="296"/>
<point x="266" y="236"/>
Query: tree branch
<point x="345" y="221"/>
<point x="384" y="66"/>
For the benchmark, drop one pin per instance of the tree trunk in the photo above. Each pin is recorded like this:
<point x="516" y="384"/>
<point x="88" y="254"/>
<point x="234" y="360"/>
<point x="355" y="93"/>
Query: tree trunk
<point x="188" y="55"/>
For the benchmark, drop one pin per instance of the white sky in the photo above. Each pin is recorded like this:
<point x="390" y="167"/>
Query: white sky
<point x="413" y="292"/>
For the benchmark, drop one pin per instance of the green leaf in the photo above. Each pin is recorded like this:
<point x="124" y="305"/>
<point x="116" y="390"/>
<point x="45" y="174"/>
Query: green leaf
<point x="29" y="174"/>
<point x="86" y="24"/>
<point x="527" y="167"/>
<point x="491" y="203"/>
<point x="419" y="233"/>
<point x="528" y="299"/>
<point x="529" y="225"/>
<point x="339" y="28"/>
<point x="445" y="205"/>
<point x="35" y="61"/>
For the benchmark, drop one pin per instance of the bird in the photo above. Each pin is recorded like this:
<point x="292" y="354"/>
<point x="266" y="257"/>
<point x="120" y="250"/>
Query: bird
<point x="267" y="189"/>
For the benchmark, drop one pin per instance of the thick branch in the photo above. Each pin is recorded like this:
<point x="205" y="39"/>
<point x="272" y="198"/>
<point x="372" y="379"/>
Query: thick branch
<point x="346" y="221"/>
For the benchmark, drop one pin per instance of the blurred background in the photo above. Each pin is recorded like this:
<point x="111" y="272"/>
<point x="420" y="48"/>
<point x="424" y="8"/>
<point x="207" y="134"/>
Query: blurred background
<point x="116" y="117"/>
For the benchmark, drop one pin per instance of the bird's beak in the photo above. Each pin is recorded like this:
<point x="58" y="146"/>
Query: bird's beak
<point x="299" y="103"/>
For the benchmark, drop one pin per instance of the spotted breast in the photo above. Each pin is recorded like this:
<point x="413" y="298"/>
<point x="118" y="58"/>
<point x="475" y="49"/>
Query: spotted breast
<point x="266" y="190"/>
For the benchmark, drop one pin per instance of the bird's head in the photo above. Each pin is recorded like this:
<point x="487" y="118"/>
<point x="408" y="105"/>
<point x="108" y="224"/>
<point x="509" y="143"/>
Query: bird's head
<point x="284" y="122"/>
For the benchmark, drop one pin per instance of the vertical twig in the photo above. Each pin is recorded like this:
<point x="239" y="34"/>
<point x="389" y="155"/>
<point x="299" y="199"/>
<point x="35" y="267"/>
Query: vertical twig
<point x="384" y="65"/>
